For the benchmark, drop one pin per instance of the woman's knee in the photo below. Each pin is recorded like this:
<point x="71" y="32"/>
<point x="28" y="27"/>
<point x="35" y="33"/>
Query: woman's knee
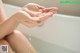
<point x="14" y="34"/>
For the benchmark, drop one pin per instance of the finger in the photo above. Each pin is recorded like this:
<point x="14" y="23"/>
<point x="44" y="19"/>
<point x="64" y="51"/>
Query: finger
<point x="41" y="7"/>
<point x="51" y="8"/>
<point x="53" y="11"/>
<point x="46" y="16"/>
<point x="54" y="8"/>
<point x="32" y="6"/>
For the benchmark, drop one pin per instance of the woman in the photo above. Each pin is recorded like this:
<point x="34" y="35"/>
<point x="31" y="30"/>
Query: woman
<point x="30" y="15"/>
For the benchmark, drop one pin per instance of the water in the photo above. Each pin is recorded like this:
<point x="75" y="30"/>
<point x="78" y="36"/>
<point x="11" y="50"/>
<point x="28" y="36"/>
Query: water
<point x="45" y="47"/>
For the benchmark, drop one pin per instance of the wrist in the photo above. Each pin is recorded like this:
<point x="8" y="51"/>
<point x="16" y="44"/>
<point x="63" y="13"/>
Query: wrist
<point x="15" y="18"/>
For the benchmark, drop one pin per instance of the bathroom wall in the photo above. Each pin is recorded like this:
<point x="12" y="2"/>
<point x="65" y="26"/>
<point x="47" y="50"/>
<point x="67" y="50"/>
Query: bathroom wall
<point x="69" y="9"/>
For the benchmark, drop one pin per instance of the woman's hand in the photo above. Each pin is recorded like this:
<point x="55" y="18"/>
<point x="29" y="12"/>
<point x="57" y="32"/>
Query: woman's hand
<point x="33" y="15"/>
<point x="34" y="7"/>
<point x="36" y="10"/>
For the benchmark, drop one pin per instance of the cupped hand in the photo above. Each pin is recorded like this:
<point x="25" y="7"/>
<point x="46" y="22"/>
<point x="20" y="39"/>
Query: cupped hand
<point x="35" y="9"/>
<point x="40" y="19"/>
<point x="34" y="14"/>
<point x="39" y="12"/>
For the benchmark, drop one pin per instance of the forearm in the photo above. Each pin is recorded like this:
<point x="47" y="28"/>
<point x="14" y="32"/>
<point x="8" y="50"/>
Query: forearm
<point x="2" y="12"/>
<point x="8" y="26"/>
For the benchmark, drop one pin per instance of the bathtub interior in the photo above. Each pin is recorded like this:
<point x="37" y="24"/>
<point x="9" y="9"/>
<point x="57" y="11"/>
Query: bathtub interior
<point x="59" y="34"/>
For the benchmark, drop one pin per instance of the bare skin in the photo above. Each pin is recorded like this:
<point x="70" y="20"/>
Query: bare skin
<point x="37" y="10"/>
<point x="24" y="17"/>
<point x="4" y="42"/>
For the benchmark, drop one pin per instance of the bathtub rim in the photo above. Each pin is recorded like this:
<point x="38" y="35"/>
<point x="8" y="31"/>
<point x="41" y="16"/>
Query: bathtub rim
<point x="57" y="14"/>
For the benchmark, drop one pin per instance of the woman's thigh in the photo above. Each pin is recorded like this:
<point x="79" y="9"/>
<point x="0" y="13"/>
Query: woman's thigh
<point x="4" y="42"/>
<point x="20" y="43"/>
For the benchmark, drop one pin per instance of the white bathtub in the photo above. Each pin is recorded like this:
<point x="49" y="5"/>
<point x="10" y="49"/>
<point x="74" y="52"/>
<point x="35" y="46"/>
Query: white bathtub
<point x="60" y="34"/>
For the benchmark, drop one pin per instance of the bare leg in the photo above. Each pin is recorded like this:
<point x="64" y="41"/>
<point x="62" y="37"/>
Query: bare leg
<point x="20" y="43"/>
<point x="4" y="42"/>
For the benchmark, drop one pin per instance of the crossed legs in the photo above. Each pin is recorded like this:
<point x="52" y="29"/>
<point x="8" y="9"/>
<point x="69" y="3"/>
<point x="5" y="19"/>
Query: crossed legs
<point x="17" y="42"/>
